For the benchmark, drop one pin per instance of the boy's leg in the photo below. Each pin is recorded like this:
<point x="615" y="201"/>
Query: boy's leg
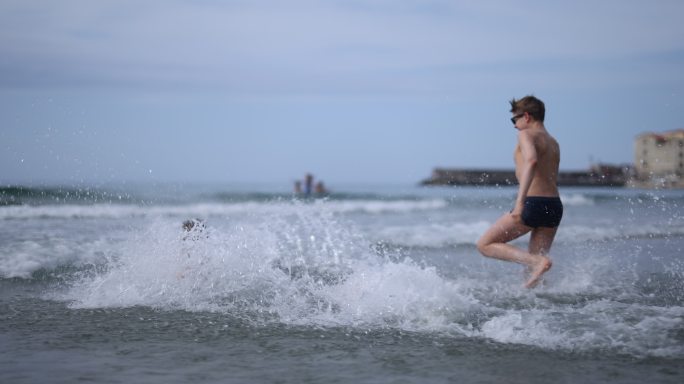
<point x="493" y="244"/>
<point x="540" y="244"/>
<point x="541" y="239"/>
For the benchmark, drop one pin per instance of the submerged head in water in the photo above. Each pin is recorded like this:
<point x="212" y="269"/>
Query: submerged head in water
<point x="194" y="229"/>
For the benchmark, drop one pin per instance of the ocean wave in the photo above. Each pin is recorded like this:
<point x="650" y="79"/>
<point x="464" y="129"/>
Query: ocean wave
<point x="445" y="235"/>
<point x="119" y="211"/>
<point x="583" y="233"/>
<point x="319" y="270"/>
<point x="631" y="329"/>
<point x="31" y="259"/>
<point x="20" y="195"/>
<point x="633" y="198"/>
<point x="577" y="199"/>
<point x="432" y="235"/>
<point x="307" y="263"/>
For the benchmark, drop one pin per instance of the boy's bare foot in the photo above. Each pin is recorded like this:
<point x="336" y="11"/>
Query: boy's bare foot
<point x="537" y="270"/>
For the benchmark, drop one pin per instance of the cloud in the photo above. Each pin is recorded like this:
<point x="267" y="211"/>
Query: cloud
<point x="315" y="47"/>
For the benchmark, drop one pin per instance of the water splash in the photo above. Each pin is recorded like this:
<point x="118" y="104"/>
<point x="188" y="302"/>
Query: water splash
<point x="304" y="264"/>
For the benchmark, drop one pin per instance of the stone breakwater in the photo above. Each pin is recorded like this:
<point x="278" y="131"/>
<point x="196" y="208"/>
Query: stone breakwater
<point x="598" y="177"/>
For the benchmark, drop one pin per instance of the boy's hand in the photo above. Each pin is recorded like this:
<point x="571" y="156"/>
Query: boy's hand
<point x="516" y="213"/>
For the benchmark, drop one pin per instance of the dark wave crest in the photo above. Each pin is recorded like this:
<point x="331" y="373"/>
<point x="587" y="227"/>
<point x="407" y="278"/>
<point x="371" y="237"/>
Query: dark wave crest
<point x="21" y="195"/>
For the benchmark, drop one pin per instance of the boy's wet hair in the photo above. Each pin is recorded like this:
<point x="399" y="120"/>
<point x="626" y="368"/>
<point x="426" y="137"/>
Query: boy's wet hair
<point x="193" y="224"/>
<point x="530" y="104"/>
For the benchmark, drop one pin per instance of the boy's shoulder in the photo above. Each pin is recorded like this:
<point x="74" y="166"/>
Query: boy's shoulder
<point x="534" y="133"/>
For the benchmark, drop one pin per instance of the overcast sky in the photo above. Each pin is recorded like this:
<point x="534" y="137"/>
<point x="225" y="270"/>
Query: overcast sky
<point x="350" y="90"/>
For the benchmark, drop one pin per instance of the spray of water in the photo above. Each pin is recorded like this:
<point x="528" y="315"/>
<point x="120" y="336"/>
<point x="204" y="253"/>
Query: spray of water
<point x="304" y="264"/>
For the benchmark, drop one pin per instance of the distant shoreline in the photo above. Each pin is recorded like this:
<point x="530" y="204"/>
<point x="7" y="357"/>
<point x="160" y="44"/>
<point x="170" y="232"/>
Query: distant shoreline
<point x="602" y="176"/>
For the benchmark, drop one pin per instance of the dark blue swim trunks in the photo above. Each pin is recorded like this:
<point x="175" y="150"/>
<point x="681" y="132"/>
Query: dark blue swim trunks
<point x="541" y="211"/>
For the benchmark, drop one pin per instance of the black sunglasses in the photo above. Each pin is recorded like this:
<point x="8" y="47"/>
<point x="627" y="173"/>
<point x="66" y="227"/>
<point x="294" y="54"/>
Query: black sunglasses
<point x="515" y="118"/>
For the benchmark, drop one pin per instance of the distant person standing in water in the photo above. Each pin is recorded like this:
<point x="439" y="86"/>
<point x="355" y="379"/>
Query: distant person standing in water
<point x="320" y="189"/>
<point x="538" y="208"/>
<point x="308" y="184"/>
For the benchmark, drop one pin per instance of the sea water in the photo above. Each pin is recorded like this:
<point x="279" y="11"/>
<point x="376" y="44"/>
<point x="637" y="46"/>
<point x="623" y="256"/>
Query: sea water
<point x="367" y="284"/>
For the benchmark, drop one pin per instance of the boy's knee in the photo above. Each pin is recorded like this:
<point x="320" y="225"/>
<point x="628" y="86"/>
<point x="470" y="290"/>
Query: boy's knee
<point x="482" y="246"/>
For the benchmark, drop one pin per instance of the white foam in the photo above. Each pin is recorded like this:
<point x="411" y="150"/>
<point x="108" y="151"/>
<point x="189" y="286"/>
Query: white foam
<point x="280" y="264"/>
<point x="397" y="294"/>
<point x="434" y="234"/>
<point x="632" y="329"/>
<point x="380" y="206"/>
<point x="438" y="235"/>
<point x="310" y="267"/>
<point x="581" y="233"/>
<point x="528" y="327"/>
<point x="23" y="258"/>
<point x="576" y="199"/>
<point x="118" y="211"/>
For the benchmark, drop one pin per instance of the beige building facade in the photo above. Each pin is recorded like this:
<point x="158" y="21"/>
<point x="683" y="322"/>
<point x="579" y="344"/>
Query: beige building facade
<point x="659" y="158"/>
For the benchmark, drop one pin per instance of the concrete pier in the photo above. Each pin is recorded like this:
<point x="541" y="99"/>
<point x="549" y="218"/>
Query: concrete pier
<point x="597" y="176"/>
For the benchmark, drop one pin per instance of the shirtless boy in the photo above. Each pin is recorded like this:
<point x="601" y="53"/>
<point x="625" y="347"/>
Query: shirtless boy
<point x="538" y="209"/>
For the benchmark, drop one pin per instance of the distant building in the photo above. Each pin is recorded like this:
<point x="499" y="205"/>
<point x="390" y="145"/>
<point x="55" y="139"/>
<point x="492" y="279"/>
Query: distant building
<point x="659" y="159"/>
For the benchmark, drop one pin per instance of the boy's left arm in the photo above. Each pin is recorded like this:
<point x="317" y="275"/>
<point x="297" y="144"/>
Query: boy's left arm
<point x="529" y="164"/>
